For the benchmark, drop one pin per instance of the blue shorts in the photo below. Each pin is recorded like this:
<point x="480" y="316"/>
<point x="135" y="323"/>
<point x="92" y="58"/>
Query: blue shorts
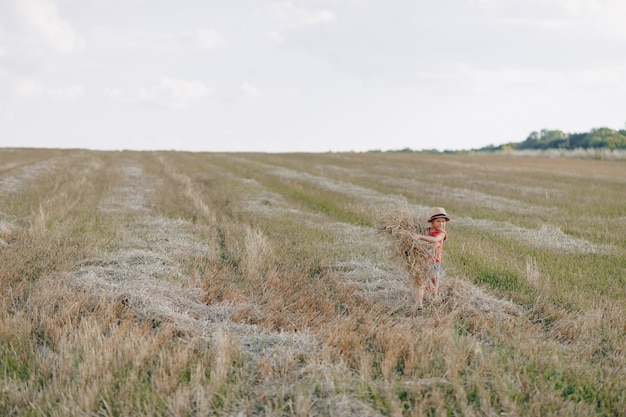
<point x="435" y="278"/>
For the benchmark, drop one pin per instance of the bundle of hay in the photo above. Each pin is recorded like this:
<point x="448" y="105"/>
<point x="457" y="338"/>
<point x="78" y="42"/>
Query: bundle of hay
<point x="401" y="225"/>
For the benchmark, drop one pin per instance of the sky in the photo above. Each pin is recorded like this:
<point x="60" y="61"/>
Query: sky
<point x="307" y="75"/>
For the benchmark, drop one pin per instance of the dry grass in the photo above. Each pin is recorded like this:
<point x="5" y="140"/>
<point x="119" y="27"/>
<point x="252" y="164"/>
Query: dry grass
<point x="249" y="284"/>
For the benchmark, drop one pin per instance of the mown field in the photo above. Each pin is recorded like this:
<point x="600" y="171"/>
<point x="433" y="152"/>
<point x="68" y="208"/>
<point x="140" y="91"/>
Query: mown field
<point x="192" y="284"/>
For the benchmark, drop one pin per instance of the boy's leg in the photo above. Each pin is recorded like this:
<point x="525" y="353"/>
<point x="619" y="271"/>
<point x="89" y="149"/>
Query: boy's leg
<point x="419" y="302"/>
<point x="433" y="285"/>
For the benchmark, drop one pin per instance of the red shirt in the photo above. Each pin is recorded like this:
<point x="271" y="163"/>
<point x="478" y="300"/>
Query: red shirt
<point x="435" y="233"/>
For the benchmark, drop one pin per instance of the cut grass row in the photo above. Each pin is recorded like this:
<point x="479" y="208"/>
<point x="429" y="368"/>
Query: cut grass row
<point x="302" y="336"/>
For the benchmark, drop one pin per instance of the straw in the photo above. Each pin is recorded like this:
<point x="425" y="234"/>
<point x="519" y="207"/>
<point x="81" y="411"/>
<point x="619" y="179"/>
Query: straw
<point x="401" y="225"/>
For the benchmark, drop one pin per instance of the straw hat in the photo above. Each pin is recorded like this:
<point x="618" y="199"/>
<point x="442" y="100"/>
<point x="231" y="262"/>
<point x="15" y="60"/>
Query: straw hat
<point x="438" y="212"/>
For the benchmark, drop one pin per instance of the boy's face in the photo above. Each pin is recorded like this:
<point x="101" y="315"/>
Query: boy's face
<point x="439" y="224"/>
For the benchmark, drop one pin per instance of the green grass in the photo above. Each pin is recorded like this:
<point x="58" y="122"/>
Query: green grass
<point x="171" y="283"/>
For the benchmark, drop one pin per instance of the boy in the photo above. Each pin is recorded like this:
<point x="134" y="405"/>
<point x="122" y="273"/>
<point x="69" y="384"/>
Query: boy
<point x="436" y="234"/>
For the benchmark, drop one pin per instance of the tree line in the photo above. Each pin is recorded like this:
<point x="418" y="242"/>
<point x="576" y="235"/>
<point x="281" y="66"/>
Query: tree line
<point x="556" y="139"/>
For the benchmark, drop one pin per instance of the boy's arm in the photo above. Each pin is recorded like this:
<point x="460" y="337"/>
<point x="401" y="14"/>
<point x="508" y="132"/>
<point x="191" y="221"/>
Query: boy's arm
<point x="431" y="239"/>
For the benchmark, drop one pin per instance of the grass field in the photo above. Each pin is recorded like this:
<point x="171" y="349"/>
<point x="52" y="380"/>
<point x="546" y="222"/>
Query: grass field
<point x="192" y="284"/>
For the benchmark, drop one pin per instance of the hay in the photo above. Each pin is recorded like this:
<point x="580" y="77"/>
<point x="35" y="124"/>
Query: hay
<point x="401" y="225"/>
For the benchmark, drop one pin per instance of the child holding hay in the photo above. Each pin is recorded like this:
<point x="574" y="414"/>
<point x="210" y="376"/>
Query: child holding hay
<point x="418" y="246"/>
<point x="436" y="234"/>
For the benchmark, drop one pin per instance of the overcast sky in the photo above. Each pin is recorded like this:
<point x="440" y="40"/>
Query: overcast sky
<point x="307" y="75"/>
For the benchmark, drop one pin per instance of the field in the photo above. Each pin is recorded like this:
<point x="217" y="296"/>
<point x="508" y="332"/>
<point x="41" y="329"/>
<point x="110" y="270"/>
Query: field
<point x="192" y="284"/>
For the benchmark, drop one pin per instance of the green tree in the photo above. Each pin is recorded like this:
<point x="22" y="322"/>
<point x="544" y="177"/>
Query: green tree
<point x="605" y="137"/>
<point x="578" y="140"/>
<point x="545" y="139"/>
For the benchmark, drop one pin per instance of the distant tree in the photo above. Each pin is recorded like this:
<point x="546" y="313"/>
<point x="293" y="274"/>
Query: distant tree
<point x="554" y="139"/>
<point x="545" y="139"/>
<point x="531" y="142"/>
<point x="403" y="150"/>
<point x="557" y="139"/>
<point x="606" y="138"/>
<point x="577" y="140"/>
<point x="490" y="148"/>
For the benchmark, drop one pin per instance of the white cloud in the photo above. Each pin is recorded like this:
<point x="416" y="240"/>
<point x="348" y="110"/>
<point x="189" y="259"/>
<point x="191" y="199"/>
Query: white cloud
<point x="250" y="90"/>
<point x="179" y="94"/>
<point x="210" y="39"/>
<point x="593" y="8"/>
<point x="606" y="16"/>
<point x="600" y="17"/>
<point x="298" y="16"/>
<point x="114" y="93"/>
<point x="42" y="19"/>
<point x="72" y="92"/>
<point x="31" y="88"/>
<point x="3" y="49"/>
<point x="6" y="115"/>
<point x="275" y="37"/>
<point x="590" y="79"/>
<point x="147" y="40"/>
